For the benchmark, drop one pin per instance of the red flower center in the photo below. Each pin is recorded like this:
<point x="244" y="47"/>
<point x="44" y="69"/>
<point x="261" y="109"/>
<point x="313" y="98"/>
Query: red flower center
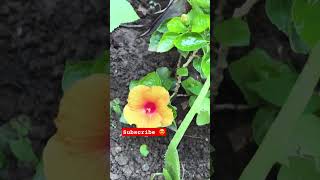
<point x="150" y="107"/>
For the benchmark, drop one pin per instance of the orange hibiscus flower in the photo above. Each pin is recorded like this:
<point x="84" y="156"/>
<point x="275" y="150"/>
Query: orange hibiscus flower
<point x="148" y="107"/>
<point x="79" y="148"/>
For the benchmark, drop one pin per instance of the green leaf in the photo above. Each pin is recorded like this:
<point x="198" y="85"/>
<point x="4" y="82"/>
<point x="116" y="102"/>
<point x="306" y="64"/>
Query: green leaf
<point x="176" y="25"/>
<point x="306" y="17"/>
<point x="283" y="84"/>
<point x="205" y="65"/>
<point x="191" y="86"/>
<point x="182" y="71"/>
<point x="133" y="84"/>
<point x="233" y="32"/>
<point x="296" y="42"/>
<point x="262" y="121"/>
<point x="279" y="12"/>
<point x="203" y="118"/>
<point x="196" y="63"/>
<point x="21" y="124"/>
<point x="164" y="74"/>
<point x="172" y="163"/>
<point x="166" y="42"/>
<point x="123" y="120"/>
<point x="151" y="79"/>
<point x="115" y="106"/>
<point x="203" y="3"/>
<point x="174" y="110"/>
<point x="189" y="41"/>
<point x="121" y="11"/>
<point x="144" y="150"/>
<point x="154" y="41"/>
<point x="200" y="23"/>
<point x="39" y="172"/>
<point x="298" y="169"/>
<point x="256" y="66"/>
<point x="22" y="150"/>
<point x="266" y="88"/>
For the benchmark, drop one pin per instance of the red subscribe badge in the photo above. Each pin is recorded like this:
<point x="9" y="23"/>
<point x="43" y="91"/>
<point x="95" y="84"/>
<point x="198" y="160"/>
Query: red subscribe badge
<point x="144" y="131"/>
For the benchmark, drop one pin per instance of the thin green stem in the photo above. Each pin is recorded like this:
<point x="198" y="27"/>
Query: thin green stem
<point x="190" y="115"/>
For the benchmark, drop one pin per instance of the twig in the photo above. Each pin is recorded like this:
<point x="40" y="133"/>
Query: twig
<point x="178" y="83"/>
<point x="232" y="107"/>
<point x="132" y="25"/>
<point x="244" y="9"/>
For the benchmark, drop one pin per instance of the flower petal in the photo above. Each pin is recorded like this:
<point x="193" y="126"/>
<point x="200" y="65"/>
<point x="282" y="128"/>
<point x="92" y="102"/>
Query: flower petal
<point x="61" y="162"/>
<point x="166" y="115"/>
<point x="136" y="96"/>
<point x="83" y="108"/>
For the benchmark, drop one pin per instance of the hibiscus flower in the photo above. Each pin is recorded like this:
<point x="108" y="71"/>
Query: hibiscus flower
<point x="148" y="107"/>
<point x="79" y="148"/>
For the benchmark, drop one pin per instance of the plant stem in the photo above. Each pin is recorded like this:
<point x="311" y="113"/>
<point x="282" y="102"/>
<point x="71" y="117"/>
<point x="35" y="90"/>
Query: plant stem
<point x="190" y="115"/>
<point x="275" y="146"/>
<point x="178" y="83"/>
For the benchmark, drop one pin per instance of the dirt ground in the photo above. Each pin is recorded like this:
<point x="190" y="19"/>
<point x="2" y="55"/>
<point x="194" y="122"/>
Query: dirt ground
<point x="37" y="37"/>
<point x="232" y="136"/>
<point x="130" y="60"/>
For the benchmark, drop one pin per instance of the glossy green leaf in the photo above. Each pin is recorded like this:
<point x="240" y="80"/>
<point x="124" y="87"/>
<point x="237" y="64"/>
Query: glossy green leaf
<point x="205" y="65"/>
<point x="191" y="86"/>
<point x="203" y="118"/>
<point x="172" y="163"/>
<point x="151" y="79"/>
<point x="279" y="12"/>
<point x="182" y="71"/>
<point x="232" y="32"/>
<point x="299" y="168"/>
<point x="256" y="66"/>
<point x="121" y="11"/>
<point x="262" y="121"/>
<point x="200" y="23"/>
<point x="203" y="3"/>
<point x="196" y="63"/>
<point x="154" y="41"/>
<point x="164" y="74"/>
<point x="190" y="42"/>
<point x="133" y="84"/>
<point x="166" y="42"/>
<point x="176" y="25"/>
<point x="22" y="150"/>
<point x="144" y="150"/>
<point x="306" y="17"/>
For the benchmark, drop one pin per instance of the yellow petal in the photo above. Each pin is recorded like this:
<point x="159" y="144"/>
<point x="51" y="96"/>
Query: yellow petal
<point x="158" y="95"/>
<point x="166" y="115"/>
<point x="83" y="108"/>
<point x="62" y="163"/>
<point x="136" y="96"/>
<point x="133" y="116"/>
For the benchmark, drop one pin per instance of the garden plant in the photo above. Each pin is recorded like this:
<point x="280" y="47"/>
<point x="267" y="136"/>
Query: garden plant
<point x="284" y="96"/>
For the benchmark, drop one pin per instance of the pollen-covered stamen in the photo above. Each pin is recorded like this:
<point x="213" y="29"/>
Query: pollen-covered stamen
<point x="149" y="107"/>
